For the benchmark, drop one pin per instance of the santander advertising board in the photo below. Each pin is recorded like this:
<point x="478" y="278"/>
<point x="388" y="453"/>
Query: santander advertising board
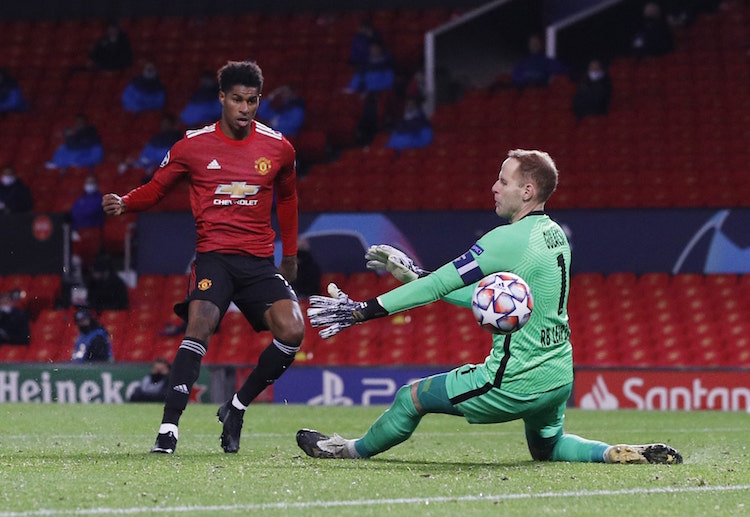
<point x="663" y="390"/>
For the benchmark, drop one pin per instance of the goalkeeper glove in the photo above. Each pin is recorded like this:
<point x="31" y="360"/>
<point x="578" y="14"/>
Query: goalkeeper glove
<point x="382" y="257"/>
<point x="338" y="311"/>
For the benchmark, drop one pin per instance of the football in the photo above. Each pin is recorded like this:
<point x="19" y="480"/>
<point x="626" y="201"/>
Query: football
<point x="502" y="303"/>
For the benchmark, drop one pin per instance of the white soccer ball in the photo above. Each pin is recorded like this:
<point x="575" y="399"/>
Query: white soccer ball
<point x="502" y="303"/>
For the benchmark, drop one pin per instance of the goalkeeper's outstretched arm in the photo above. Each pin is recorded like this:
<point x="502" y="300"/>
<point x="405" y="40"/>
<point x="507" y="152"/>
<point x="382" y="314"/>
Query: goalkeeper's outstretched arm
<point x="382" y="257"/>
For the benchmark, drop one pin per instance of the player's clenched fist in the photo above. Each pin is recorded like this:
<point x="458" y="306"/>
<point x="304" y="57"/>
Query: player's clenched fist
<point x="112" y="204"/>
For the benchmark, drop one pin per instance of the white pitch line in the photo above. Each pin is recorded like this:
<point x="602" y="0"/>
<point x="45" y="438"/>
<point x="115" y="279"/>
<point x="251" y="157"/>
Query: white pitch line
<point x="495" y="432"/>
<point x="374" y="502"/>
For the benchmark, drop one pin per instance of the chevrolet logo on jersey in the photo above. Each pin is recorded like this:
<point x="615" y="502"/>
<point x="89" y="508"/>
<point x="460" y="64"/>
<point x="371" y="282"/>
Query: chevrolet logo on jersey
<point x="238" y="189"/>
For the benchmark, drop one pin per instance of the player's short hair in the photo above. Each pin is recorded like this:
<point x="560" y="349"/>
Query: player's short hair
<point x="537" y="167"/>
<point x="245" y="73"/>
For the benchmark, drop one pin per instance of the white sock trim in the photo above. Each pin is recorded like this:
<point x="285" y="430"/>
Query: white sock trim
<point x="288" y="350"/>
<point x="352" y="449"/>
<point x="236" y="403"/>
<point x="165" y="428"/>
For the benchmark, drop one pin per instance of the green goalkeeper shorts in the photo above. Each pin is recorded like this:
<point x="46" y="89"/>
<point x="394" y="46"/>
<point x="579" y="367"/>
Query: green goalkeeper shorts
<point x="470" y="390"/>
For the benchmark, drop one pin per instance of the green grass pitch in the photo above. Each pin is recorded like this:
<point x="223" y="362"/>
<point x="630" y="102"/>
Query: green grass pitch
<point x="93" y="460"/>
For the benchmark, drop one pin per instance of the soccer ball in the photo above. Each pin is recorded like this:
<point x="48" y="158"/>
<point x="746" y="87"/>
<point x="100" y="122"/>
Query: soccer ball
<point x="502" y="303"/>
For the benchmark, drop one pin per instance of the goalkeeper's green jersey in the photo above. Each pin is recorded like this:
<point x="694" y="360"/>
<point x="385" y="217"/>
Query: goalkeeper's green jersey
<point x="539" y="357"/>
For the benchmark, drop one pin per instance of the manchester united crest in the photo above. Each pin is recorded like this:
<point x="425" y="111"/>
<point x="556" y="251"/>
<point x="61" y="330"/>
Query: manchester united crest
<point x="263" y="165"/>
<point x="204" y="284"/>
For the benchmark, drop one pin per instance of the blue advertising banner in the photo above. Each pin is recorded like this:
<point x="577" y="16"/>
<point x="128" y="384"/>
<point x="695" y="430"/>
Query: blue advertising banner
<point x="706" y="240"/>
<point x="341" y="386"/>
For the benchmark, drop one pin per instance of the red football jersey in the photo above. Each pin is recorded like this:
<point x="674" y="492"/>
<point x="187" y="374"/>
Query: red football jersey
<point x="231" y="189"/>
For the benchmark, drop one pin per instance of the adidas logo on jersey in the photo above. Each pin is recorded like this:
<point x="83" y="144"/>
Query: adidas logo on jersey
<point x="213" y="165"/>
<point x="182" y="388"/>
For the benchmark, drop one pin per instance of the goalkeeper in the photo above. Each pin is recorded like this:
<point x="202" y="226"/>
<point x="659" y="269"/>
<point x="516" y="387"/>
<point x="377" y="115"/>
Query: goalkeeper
<point x="527" y="375"/>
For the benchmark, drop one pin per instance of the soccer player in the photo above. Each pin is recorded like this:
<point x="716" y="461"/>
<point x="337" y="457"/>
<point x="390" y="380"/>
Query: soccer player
<point x="234" y="167"/>
<point x="527" y="375"/>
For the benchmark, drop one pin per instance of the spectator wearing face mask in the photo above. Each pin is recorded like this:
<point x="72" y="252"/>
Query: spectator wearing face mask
<point x="413" y="130"/>
<point x="112" y="51"/>
<point x="593" y="92"/>
<point x="155" y="385"/>
<point x="283" y="110"/>
<point x="14" y="321"/>
<point x="654" y="37"/>
<point x="145" y="91"/>
<point x="11" y="97"/>
<point x="93" y="343"/>
<point x="204" y="106"/>
<point x="82" y="146"/>
<point x="15" y="195"/>
<point x="536" y="69"/>
<point x="87" y="219"/>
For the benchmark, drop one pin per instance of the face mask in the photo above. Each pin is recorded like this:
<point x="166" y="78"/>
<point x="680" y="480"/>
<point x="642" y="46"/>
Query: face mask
<point x="595" y="76"/>
<point x="8" y="181"/>
<point x="88" y="188"/>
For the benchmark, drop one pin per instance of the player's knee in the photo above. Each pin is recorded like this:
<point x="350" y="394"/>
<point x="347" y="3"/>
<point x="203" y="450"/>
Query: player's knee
<point x="404" y="400"/>
<point x="290" y="332"/>
<point x="286" y="323"/>
<point x="540" y="454"/>
<point x="541" y="448"/>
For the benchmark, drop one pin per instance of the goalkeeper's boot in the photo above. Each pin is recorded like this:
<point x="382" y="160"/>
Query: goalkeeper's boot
<point x="651" y="453"/>
<point x="232" y="419"/>
<point x="318" y="445"/>
<point x="166" y="443"/>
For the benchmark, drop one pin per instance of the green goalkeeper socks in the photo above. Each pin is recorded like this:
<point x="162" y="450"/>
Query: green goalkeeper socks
<point x="574" y="448"/>
<point x="394" y="426"/>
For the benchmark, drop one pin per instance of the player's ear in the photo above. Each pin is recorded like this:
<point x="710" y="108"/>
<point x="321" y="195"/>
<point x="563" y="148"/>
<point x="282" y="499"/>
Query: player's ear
<point x="529" y="191"/>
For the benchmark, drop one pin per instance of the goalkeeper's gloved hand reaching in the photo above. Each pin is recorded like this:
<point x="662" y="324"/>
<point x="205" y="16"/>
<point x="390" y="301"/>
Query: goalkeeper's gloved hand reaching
<point x="382" y="257"/>
<point x="337" y="311"/>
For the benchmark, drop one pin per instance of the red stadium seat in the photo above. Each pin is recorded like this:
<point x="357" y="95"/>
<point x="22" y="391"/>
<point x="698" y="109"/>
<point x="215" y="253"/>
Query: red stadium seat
<point x="362" y="286"/>
<point x="117" y="324"/>
<point x="115" y="232"/>
<point x="47" y="352"/>
<point x="620" y="279"/>
<point x="651" y="280"/>
<point x="13" y="353"/>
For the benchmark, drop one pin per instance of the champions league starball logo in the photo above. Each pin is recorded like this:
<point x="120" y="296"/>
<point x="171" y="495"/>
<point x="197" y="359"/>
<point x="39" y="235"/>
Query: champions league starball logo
<point x="722" y="255"/>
